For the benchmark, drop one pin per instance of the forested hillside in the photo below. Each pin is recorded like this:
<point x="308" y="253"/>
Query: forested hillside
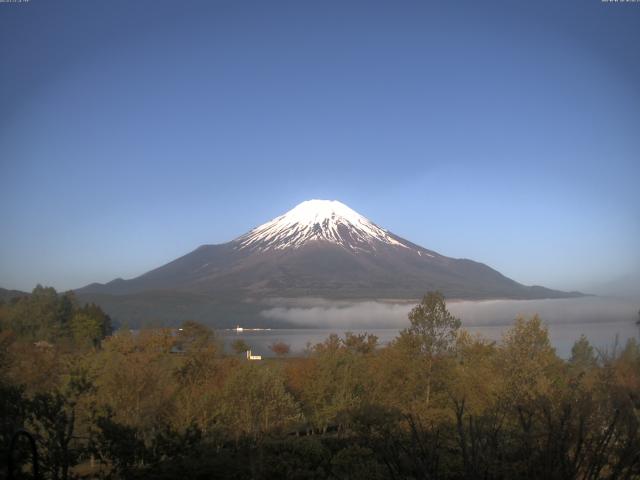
<point x="437" y="403"/>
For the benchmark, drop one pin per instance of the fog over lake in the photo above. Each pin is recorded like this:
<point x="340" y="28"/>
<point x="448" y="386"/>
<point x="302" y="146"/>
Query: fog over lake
<point x="601" y="319"/>
<point x="318" y="313"/>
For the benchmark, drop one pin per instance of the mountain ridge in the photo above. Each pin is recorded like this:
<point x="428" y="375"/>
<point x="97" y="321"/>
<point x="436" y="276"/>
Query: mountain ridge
<point x="9" y="294"/>
<point x="323" y="248"/>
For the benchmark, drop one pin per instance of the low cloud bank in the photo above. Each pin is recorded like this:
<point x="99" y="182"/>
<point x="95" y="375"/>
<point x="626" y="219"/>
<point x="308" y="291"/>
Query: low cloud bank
<point x="355" y="315"/>
<point x="312" y="313"/>
<point x="557" y="311"/>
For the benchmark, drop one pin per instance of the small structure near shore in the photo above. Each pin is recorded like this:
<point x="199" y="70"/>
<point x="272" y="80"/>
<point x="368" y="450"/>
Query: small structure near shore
<point x="253" y="357"/>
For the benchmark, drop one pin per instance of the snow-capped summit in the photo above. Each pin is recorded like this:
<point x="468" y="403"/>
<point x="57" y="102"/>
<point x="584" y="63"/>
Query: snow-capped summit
<point x="318" y="221"/>
<point x="320" y="248"/>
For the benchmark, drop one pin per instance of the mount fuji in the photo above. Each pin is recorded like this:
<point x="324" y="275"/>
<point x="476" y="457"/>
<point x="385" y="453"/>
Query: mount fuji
<point x="320" y="248"/>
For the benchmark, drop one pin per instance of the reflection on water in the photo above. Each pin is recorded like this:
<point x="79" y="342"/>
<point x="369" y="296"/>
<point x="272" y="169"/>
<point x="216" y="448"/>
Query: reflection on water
<point x="601" y="335"/>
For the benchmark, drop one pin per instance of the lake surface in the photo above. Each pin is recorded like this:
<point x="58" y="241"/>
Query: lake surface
<point x="601" y="335"/>
<point x="600" y="319"/>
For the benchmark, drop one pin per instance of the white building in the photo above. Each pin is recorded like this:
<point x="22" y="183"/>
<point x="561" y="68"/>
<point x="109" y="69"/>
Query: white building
<point x="253" y="357"/>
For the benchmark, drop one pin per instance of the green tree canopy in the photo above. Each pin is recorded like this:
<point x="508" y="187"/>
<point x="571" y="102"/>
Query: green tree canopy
<point x="433" y="328"/>
<point x="582" y="354"/>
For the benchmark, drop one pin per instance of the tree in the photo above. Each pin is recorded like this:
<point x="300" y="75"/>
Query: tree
<point x="363" y="343"/>
<point x="12" y="417"/>
<point x="433" y="325"/>
<point x="39" y="316"/>
<point x="432" y="333"/>
<point x="474" y="392"/>
<point x="53" y="421"/>
<point x="116" y="444"/>
<point x="280" y="348"/>
<point x="256" y="402"/>
<point x="198" y="377"/>
<point x="582" y="355"/>
<point x="54" y="418"/>
<point x="532" y="394"/>
<point x="137" y="379"/>
<point x="332" y="382"/>
<point x="194" y="336"/>
<point x="331" y="344"/>
<point x="100" y="317"/>
<point x="86" y="329"/>
<point x="528" y="362"/>
<point x="46" y="315"/>
<point x="240" y="346"/>
<point x="528" y="359"/>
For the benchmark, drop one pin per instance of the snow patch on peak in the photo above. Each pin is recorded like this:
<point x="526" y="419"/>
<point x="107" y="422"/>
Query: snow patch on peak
<point x="315" y="211"/>
<point x="318" y="220"/>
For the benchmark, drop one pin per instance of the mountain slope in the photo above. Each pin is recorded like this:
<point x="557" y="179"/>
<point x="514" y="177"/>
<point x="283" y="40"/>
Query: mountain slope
<point x="325" y="249"/>
<point x="7" y="295"/>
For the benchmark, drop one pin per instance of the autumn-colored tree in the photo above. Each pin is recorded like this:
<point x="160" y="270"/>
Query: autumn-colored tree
<point x="398" y="379"/>
<point x="335" y="381"/>
<point x="534" y="397"/>
<point x="136" y="379"/>
<point x="199" y="374"/>
<point x="474" y="392"/>
<point x="432" y="333"/>
<point x="256" y="402"/>
<point x="529" y="362"/>
<point x="54" y="417"/>
<point x="436" y="402"/>
<point x="364" y="343"/>
<point x="194" y="336"/>
<point x="280" y="348"/>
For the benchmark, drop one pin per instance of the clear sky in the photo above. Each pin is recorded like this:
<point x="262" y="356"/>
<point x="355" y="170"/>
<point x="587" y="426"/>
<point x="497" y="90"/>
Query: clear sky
<point x="503" y="131"/>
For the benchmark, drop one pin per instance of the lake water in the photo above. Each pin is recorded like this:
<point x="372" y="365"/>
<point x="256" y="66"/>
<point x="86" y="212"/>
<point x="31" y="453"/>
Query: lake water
<point x="600" y="319"/>
<point x="601" y="335"/>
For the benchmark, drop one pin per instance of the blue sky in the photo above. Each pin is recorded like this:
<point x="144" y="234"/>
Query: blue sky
<point x="133" y="131"/>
